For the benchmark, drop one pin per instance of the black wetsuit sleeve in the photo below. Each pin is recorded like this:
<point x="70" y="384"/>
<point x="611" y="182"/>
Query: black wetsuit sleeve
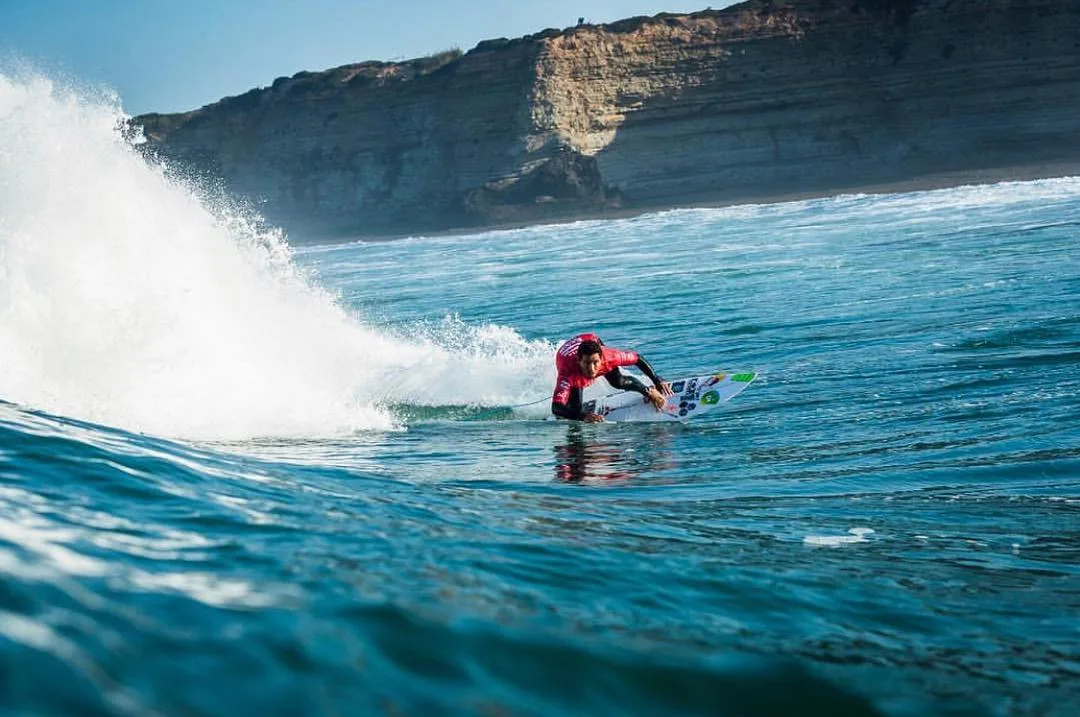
<point x="643" y="366"/>
<point x="571" y="409"/>
<point x="625" y="382"/>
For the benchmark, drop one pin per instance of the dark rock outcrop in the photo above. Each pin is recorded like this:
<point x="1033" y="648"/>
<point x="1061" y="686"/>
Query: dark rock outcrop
<point x="758" y="100"/>
<point x="567" y="184"/>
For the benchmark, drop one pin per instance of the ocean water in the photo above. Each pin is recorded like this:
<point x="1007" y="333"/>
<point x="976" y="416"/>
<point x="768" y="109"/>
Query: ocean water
<point x="241" y="474"/>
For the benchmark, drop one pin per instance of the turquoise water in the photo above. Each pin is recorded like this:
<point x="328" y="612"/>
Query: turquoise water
<point x="239" y="478"/>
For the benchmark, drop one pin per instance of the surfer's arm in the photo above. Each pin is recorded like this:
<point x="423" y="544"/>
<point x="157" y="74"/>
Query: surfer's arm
<point x="563" y="410"/>
<point x="566" y="402"/>
<point x="643" y="366"/>
<point x="626" y="382"/>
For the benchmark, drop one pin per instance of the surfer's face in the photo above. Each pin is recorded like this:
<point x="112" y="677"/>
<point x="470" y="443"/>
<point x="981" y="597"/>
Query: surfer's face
<point x="590" y="365"/>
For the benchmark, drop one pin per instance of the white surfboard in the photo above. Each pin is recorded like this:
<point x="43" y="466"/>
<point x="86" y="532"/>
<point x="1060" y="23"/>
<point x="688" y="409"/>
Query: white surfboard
<point x="690" y="397"/>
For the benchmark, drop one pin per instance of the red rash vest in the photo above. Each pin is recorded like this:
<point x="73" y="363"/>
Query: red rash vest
<point x="570" y="375"/>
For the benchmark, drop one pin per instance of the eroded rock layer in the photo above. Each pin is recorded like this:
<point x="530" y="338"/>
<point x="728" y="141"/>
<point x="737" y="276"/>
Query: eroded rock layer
<point x="758" y="100"/>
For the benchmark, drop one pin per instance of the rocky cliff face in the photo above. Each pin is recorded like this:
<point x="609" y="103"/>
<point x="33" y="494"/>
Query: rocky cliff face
<point x="757" y="100"/>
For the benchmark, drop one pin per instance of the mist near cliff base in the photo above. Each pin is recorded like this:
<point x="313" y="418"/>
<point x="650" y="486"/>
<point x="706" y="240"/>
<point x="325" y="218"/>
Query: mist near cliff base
<point x="130" y="299"/>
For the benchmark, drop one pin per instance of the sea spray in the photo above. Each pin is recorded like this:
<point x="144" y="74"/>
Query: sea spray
<point x="128" y="299"/>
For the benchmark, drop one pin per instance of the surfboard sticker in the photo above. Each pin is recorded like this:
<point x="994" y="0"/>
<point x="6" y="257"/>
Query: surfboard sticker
<point x="691" y="397"/>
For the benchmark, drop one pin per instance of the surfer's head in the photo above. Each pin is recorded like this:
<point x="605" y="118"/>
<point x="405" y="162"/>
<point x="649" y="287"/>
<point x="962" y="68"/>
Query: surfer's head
<point x="590" y="358"/>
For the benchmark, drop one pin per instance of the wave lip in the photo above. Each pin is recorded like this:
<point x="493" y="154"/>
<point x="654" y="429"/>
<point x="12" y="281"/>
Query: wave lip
<point x="132" y="297"/>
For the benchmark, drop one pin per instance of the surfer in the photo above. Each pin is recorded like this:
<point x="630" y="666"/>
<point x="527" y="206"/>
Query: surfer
<point x="582" y="360"/>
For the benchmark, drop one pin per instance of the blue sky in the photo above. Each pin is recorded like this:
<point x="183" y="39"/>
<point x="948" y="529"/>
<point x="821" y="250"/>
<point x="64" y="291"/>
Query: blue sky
<point x="173" y="55"/>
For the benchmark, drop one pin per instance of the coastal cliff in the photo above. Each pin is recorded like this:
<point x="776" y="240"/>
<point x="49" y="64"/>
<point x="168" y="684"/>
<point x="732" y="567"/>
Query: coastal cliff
<point x="759" y="100"/>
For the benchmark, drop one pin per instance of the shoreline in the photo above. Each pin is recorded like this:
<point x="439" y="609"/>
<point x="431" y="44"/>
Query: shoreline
<point x="928" y="182"/>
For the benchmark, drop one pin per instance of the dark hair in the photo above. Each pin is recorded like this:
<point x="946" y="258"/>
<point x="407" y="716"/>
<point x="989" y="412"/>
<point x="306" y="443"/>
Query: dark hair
<point x="588" y="347"/>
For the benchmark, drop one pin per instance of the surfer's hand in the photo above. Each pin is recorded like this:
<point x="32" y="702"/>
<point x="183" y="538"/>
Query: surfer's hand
<point x="665" y="388"/>
<point x="593" y="418"/>
<point x="656" y="399"/>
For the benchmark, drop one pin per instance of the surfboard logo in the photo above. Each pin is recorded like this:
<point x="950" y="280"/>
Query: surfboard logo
<point x="710" y="398"/>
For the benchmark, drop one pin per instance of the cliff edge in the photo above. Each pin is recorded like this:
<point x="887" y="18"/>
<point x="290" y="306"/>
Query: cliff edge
<point x="762" y="99"/>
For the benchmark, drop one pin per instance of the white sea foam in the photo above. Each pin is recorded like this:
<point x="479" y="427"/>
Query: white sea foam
<point x="855" y="535"/>
<point x="129" y="299"/>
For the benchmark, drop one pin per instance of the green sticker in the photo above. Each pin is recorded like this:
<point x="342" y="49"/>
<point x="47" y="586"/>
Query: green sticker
<point x="710" y="398"/>
<point x="743" y="377"/>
